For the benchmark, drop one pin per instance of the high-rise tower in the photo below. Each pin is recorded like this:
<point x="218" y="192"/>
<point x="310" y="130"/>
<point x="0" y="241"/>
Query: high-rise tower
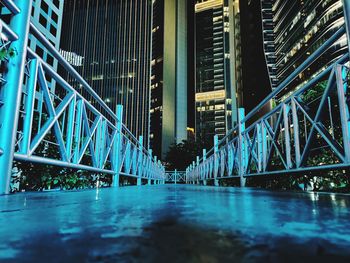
<point x="169" y="75"/>
<point x="293" y="30"/>
<point x="218" y="69"/>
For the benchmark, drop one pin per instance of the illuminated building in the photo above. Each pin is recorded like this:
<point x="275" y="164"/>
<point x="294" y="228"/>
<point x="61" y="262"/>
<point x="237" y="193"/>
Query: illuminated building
<point x="109" y="44"/>
<point x="296" y="30"/>
<point x="168" y="111"/>
<point x="218" y="69"/>
<point x="269" y="40"/>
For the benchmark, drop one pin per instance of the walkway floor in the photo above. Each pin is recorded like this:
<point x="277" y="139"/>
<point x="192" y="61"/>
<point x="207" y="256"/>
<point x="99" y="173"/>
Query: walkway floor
<point x="174" y="224"/>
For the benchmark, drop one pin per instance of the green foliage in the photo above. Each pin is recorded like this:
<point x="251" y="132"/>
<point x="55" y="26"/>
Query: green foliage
<point x="315" y="92"/>
<point x="34" y="177"/>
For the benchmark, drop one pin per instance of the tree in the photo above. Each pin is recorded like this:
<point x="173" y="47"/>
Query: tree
<point x="181" y="155"/>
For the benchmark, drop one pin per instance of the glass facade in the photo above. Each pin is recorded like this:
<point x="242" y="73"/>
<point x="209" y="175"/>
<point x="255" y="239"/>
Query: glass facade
<point x="108" y="42"/>
<point x="269" y="40"/>
<point x="157" y="77"/>
<point x="168" y="111"/>
<point x="299" y="29"/>
<point x="217" y="68"/>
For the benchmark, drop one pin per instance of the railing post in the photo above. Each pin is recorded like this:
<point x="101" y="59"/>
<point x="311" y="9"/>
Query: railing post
<point x="149" y="179"/>
<point x="187" y="171"/>
<point x="175" y="176"/>
<point x="296" y="133"/>
<point x="188" y="175"/>
<point x="204" y="171"/>
<point x="243" y="153"/>
<point x="140" y="168"/>
<point x="161" y="181"/>
<point x="260" y="146"/>
<point x="11" y="92"/>
<point x="118" y="146"/>
<point x="286" y="109"/>
<point x="216" y="161"/>
<point x="155" y="163"/>
<point x="29" y="107"/>
<point x="198" y="173"/>
<point x="193" y="172"/>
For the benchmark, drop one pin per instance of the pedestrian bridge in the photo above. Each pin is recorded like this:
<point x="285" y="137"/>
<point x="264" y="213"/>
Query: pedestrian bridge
<point x="46" y="120"/>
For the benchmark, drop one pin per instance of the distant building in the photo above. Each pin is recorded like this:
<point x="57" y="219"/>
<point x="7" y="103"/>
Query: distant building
<point x="296" y="30"/>
<point x="109" y="44"/>
<point x="218" y="67"/>
<point x="47" y="17"/>
<point x="168" y="111"/>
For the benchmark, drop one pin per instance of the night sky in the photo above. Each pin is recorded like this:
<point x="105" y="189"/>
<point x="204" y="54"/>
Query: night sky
<point x="256" y="84"/>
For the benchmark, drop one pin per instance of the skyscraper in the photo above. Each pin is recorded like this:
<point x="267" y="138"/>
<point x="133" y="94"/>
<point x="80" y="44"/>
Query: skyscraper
<point x="218" y="69"/>
<point x="109" y="43"/>
<point x="269" y="40"/>
<point x="169" y="75"/>
<point x="299" y="28"/>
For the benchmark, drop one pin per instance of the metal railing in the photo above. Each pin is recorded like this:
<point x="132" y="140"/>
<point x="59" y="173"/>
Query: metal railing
<point x="289" y="138"/>
<point x="44" y="119"/>
<point x="175" y="176"/>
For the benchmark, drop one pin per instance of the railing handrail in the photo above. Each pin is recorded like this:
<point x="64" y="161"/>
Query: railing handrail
<point x="10" y="5"/>
<point x="56" y="54"/>
<point x="311" y="59"/>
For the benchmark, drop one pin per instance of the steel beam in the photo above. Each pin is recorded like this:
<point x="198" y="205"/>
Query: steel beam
<point x="117" y="157"/>
<point x="204" y="172"/>
<point x="216" y="160"/>
<point x="342" y="89"/>
<point x="243" y="151"/>
<point x="287" y="135"/>
<point x="12" y="90"/>
<point x="29" y="107"/>
<point x="139" y="163"/>
<point x="296" y="132"/>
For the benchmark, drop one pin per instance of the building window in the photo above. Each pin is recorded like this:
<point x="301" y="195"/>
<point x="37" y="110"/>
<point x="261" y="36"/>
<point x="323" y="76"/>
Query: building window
<point x="53" y="30"/>
<point x="54" y="17"/>
<point x="42" y="20"/>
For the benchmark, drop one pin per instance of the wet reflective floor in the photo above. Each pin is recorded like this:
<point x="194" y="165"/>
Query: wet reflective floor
<point x="174" y="224"/>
